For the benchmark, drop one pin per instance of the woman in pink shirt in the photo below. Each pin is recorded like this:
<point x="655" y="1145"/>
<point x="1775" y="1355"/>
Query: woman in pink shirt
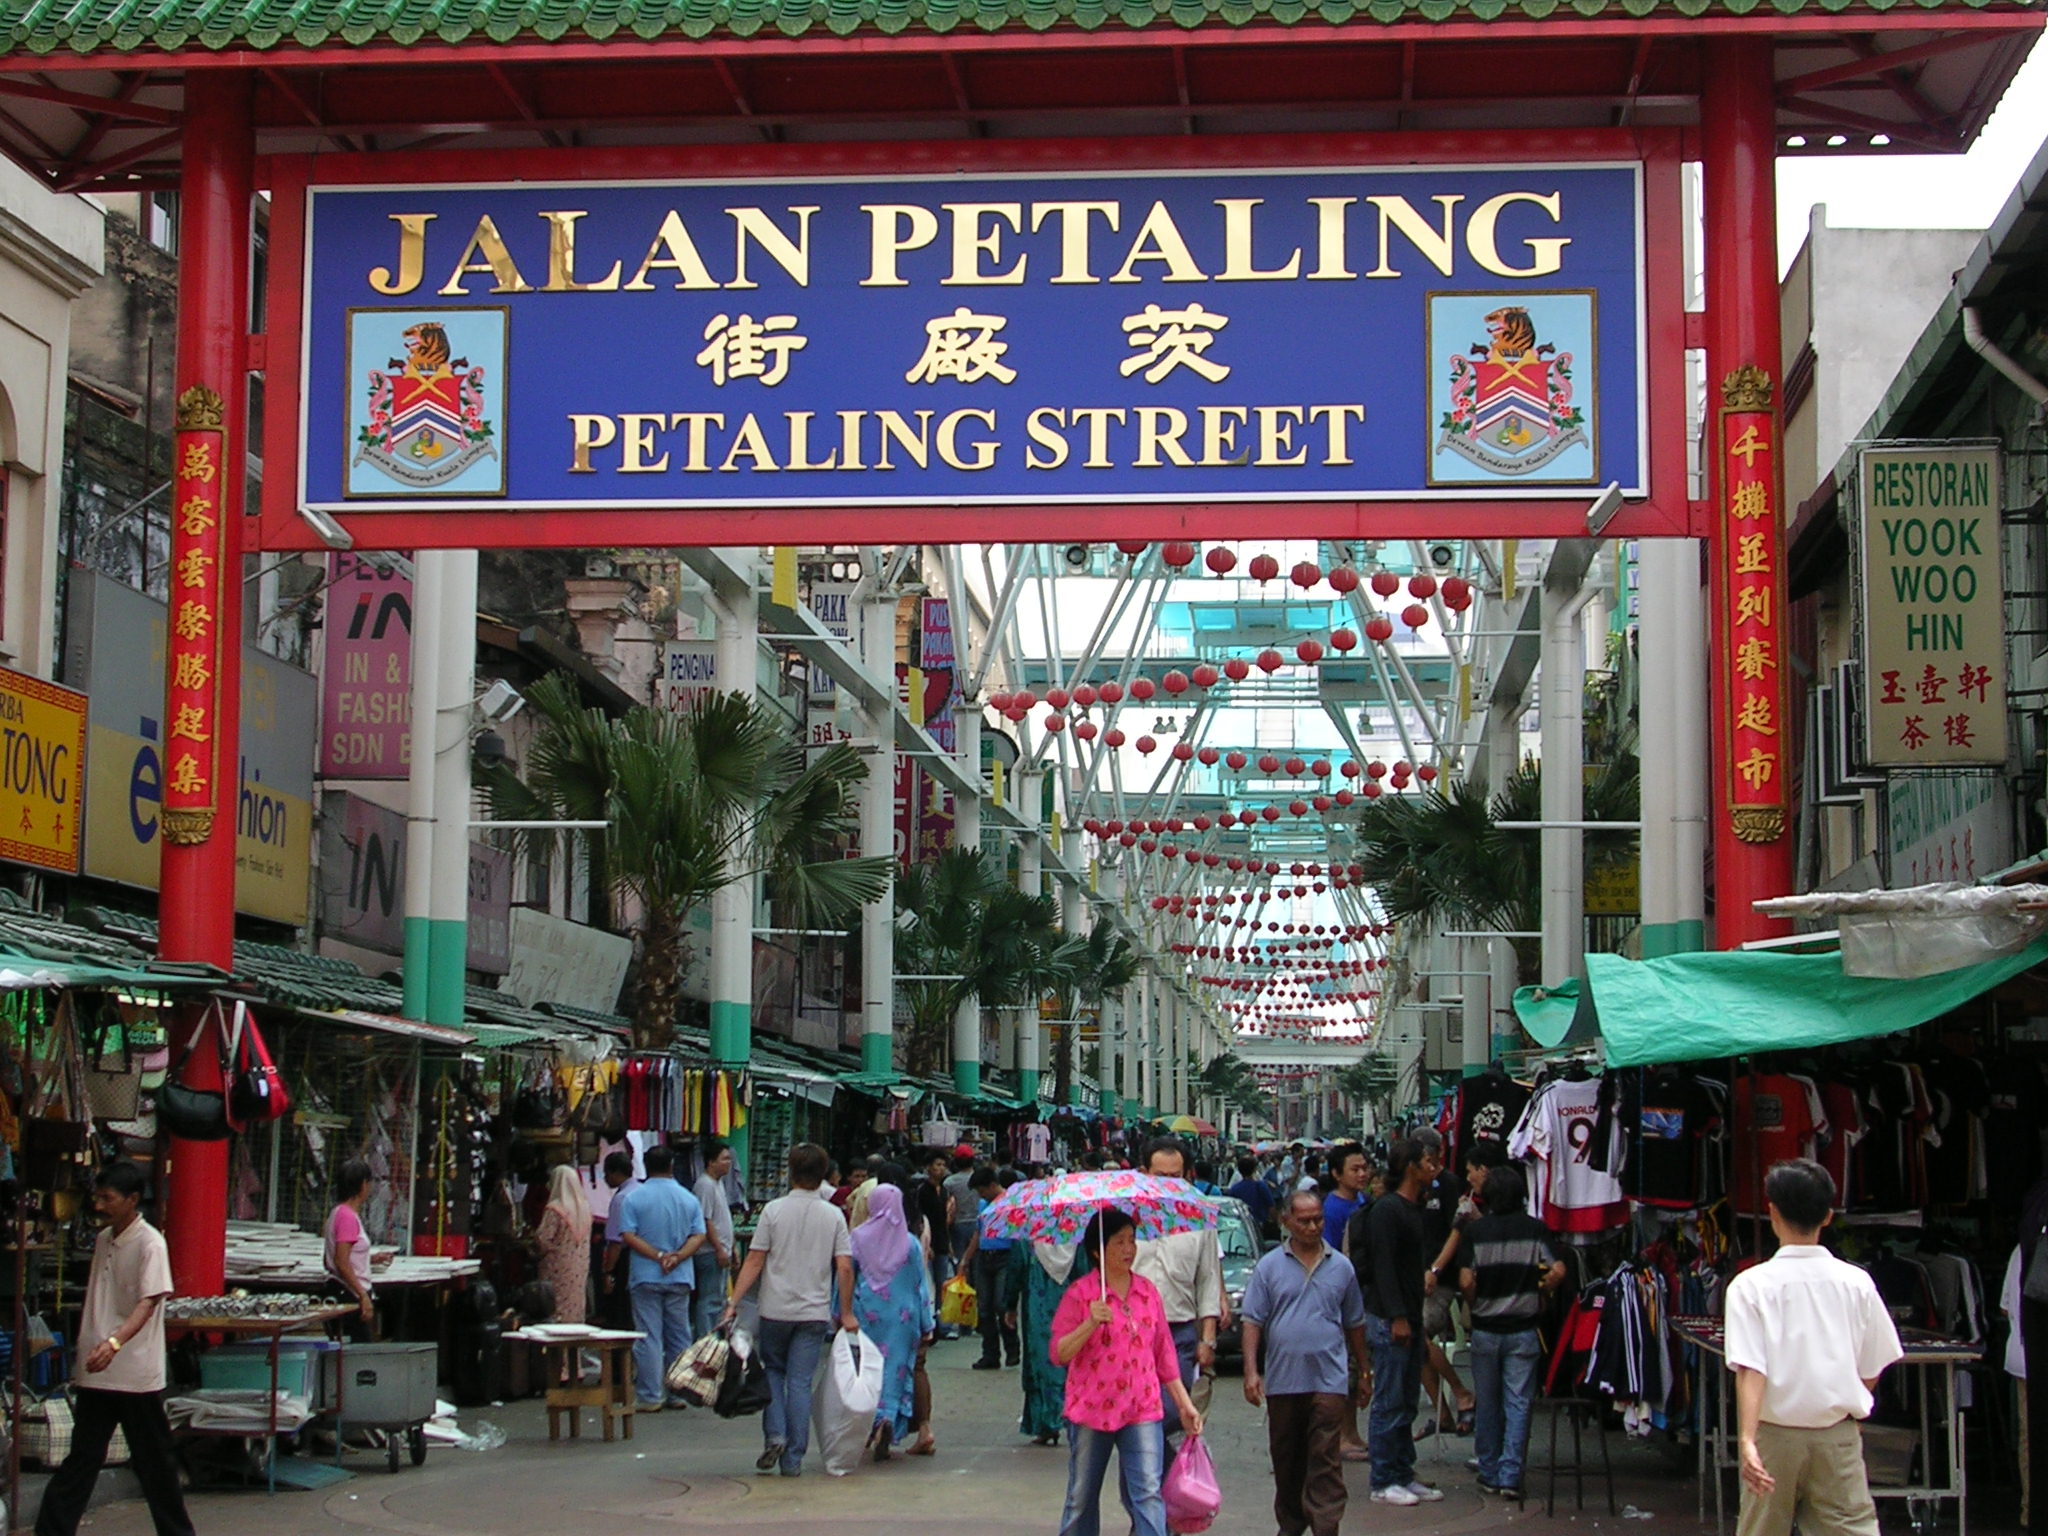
<point x="1110" y="1333"/>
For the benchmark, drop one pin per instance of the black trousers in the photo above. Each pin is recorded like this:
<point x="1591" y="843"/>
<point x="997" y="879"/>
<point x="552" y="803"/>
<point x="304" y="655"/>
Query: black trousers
<point x="94" y="1417"/>
<point x="2033" y="1324"/>
<point x="992" y="1298"/>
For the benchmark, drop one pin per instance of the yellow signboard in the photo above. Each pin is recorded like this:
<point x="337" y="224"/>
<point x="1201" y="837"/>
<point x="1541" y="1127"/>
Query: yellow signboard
<point x="42" y="769"/>
<point x="1615" y="890"/>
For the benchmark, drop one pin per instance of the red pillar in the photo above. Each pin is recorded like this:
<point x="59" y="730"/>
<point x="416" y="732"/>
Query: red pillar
<point x="1752" y="728"/>
<point x="196" y="912"/>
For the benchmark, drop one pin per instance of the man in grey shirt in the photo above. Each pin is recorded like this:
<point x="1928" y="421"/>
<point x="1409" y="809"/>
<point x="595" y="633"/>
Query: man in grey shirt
<point x="800" y="1249"/>
<point x="714" y="1259"/>
<point x="1303" y="1304"/>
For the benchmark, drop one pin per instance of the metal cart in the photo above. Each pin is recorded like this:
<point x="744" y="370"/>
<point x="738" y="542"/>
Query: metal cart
<point x="391" y="1387"/>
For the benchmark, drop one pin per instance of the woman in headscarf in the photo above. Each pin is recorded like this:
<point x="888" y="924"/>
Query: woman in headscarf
<point x="564" y="1239"/>
<point x="925" y="1235"/>
<point x="1039" y="1276"/>
<point x="892" y="1300"/>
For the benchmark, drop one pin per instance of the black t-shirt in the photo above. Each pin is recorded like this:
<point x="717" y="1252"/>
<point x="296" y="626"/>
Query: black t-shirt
<point x="1489" y="1105"/>
<point x="1675" y="1112"/>
<point x="931" y="1205"/>
<point x="1384" y="1244"/>
<point x="1439" y="1211"/>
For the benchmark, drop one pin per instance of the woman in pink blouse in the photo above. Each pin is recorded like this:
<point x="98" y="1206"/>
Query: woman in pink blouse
<point x="1110" y="1333"/>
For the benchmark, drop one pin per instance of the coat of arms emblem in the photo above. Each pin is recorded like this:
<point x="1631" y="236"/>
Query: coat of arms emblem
<point x="1510" y="406"/>
<point x="426" y="420"/>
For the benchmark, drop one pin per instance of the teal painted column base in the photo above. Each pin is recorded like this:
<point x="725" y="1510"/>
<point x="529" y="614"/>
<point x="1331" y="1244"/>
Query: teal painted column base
<point x="1109" y="1103"/>
<point x="732" y="1034"/>
<point x="447" y="957"/>
<point x="1133" y="1110"/>
<point x="1027" y="1084"/>
<point x="1683" y="938"/>
<point x="415" y="969"/>
<point x="878" y="1053"/>
<point x="967" y="1079"/>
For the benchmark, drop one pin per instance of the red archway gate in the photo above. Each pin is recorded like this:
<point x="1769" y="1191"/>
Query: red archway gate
<point x="188" y="94"/>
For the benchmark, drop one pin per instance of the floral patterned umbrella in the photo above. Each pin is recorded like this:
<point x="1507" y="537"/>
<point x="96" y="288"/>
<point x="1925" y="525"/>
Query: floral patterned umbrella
<point x="1055" y="1210"/>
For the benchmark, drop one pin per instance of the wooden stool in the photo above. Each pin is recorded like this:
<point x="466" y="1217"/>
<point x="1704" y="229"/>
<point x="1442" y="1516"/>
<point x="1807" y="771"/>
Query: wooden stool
<point x="612" y="1395"/>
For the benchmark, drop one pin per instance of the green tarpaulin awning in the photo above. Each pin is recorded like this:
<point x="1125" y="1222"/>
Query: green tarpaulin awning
<point x="1547" y="1012"/>
<point x="1737" y="1002"/>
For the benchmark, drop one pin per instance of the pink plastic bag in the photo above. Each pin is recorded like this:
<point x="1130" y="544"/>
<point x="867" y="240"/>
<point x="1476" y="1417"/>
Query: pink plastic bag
<point x="1193" y="1496"/>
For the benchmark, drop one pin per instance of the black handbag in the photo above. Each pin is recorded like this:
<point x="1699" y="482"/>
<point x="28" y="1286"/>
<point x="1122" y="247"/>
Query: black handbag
<point x="194" y="1114"/>
<point x="744" y="1390"/>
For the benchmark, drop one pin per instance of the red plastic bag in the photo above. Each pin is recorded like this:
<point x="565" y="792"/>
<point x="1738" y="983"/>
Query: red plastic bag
<point x="1193" y="1496"/>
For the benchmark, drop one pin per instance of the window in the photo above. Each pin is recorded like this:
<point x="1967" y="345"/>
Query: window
<point x="160" y="220"/>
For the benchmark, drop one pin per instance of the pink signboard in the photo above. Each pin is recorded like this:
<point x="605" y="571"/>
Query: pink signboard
<point x="366" y="682"/>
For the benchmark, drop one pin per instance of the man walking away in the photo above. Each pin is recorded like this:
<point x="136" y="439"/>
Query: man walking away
<point x="615" y="1301"/>
<point x="662" y="1227"/>
<point x="1440" y="1197"/>
<point x="121" y="1387"/>
<point x="1392" y="1283"/>
<point x="1506" y="1260"/>
<point x="959" y="1187"/>
<point x="1303" y="1305"/>
<point x="1353" y="1172"/>
<point x="1186" y="1268"/>
<point x="1256" y="1194"/>
<point x="801" y="1254"/>
<point x="987" y="1262"/>
<point x="936" y="1207"/>
<point x="1808" y="1336"/>
<point x="714" y="1260"/>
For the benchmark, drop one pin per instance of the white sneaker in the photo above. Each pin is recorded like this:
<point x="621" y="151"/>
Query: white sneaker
<point x="1423" y="1493"/>
<point x="1396" y="1494"/>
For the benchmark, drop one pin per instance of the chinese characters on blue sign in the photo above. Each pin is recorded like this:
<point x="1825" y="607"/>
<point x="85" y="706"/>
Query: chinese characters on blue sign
<point x="1335" y="334"/>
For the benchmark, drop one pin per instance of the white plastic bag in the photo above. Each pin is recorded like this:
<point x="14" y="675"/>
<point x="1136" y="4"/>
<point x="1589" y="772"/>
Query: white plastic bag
<point x="843" y="1402"/>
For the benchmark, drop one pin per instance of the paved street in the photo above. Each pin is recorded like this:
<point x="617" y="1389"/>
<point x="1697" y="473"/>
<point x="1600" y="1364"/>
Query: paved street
<point x="692" y="1471"/>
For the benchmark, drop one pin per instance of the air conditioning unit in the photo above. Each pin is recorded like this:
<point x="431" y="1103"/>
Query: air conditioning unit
<point x="1836" y="723"/>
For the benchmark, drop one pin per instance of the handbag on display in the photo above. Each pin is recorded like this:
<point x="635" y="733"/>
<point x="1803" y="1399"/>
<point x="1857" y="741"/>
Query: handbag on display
<point x="256" y="1091"/>
<point x="195" y="1114"/>
<point x="113" y="1079"/>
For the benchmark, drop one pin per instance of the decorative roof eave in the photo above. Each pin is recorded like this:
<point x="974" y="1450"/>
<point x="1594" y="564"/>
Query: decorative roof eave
<point x="95" y="34"/>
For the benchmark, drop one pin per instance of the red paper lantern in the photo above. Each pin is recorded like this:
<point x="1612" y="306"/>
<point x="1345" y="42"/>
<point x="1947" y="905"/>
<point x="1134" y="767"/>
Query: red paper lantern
<point x="1294" y="767"/>
<point x="1093" y="826"/>
<point x="999" y="702"/>
<point x="1147" y="746"/>
<point x="1264" y="567"/>
<point x="1146" y="845"/>
<point x="1016" y="714"/>
<point x="1320" y="767"/>
<point x="1203" y="823"/>
<point x="1024" y="698"/>
<point x="1342" y="640"/>
<point x="1310" y="651"/>
<point x="1344" y="579"/>
<point x="1208" y="755"/>
<point x="1220" y="560"/>
<point x="1237" y="669"/>
<point x="1128" y="839"/>
<point x="1376" y="769"/>
<point x="1271" y="813"/>
<point x="1084" y="695"/>
<point x="1055" y="723"/>
<point x="1457" y="593"/>
<point x="1349" y="768"/>
<point x="1379" y="627"/>
<point x="1235" y="760"/>
<point x="1321" y="802"/>
<point x="1183" y="751"/>
<point x="1372" y="789"/>
<point x="1142" y="688"/>
<point x="1343" y="797"/>
<point x="1159" y="904"/>
<point x="1057" y="698"/>
<point x="1112" y="827"/>
<point x="1426" y="773"/>
<point x="1402" y="768"/>
<point x="1175" y="682"/>
<point x="1132" y="546"/>
<point x="1386" y="583"/>
<point x="1305" y="574"/>
<point x="1271" y="661"/>
<point x="1110" y="693"/>
<point x="1422" y="585"/>
<point x="1415" y="615"/>
<point x="1205" y="676"/>
<point x="1178" y="553"/>
<point x="1113" y="737"/>
<point x="1085" y="730"/>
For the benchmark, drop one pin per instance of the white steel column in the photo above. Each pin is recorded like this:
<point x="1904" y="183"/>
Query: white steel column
<point x="448" y="900"/>
<point x="1562" y="679"/>
<point x="735" y="651"/>
<point x="878" y="838"/>
<point x="419" y="791"/>
<point x="1477" y="1020"/>
<point x="1673" y="635"/>
<point x="967" y="835"/>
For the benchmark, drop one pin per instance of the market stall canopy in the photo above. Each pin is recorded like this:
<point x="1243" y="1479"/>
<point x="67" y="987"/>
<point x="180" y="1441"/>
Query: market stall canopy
<point x="1549" y="1014"/>
<point x="1738" y="1002"/>
<point x="27" y="972"/>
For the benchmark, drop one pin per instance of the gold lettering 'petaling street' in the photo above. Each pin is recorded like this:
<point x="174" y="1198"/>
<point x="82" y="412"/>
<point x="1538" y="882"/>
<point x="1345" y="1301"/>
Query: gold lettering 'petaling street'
<point x="1104" y="437"/>
<point x="992" y="244"/>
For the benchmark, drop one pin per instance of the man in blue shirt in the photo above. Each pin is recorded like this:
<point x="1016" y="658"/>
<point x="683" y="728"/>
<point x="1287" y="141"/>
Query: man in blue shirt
<point x="662" y="1227"/>
<point x="987" y="1262"/>
<point x="1303" y="1304"/>
<point x="1254" y="1192"/>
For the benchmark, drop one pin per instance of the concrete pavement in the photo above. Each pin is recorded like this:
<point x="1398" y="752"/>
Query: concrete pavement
<point x="691" y="1472"/>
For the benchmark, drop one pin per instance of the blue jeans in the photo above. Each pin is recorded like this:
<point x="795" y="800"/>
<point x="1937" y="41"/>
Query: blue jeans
<point x="1141" y="1457"/>
<point x="789" y="1354"/>
<point x="1504" y="1369"/>
<point x="1396" y="1379"/>
<point x="661" y="1315"/>
<point x="709" y="1305"/>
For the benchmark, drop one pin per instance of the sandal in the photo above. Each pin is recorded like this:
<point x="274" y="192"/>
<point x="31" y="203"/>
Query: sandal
<point x="925" y="1446"/>
<point x="1465" y="1420"/>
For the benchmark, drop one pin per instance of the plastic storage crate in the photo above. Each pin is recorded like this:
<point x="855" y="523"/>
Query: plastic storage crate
<point x="245" y="1367"/>
<point x="384" y="1385"/>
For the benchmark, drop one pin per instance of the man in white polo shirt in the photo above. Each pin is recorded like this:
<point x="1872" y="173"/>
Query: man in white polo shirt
<point x="121" y="1350"/>
<point x="1808" y="1336"/>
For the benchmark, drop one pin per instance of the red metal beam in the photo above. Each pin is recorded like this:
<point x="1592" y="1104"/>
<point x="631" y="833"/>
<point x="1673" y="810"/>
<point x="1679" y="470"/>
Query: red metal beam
<point x="1895" y="81"/>
<point x="98" y="124"/>
<point x="103" y="168"/>
<point x="1932" y="140"/>
<point x="1877" y="60"/>
<point x="522" y="106"/>
<point x="35" y="90"/>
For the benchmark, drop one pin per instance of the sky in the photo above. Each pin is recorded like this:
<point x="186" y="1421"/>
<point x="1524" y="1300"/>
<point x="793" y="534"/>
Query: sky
<point x="1920" y="191"/>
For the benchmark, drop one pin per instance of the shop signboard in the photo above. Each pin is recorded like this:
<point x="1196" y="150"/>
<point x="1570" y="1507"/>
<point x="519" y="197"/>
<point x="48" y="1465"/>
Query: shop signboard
<point x="557" y="961"/>
<point x="689" y="670"/>
<point x="116" y="653"/>
<point x="832" y="603"/>
<point x="42" y="772"/>
<point x="362" y="884"/>
<point x="366" y="676"/>
<point x="1933" y="604"/>
<point x="1953" y="827"/>
<point x="505" y="361"/>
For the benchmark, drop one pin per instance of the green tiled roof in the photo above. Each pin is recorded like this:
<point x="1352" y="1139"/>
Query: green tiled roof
<point x="134" y="26"/>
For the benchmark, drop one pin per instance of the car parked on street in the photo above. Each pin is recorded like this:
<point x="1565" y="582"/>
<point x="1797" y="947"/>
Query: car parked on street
<point x="1237" y="1234"/>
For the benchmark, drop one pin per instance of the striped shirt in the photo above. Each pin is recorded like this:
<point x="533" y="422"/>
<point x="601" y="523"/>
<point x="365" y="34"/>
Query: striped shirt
<point x="1507" y="1255"/>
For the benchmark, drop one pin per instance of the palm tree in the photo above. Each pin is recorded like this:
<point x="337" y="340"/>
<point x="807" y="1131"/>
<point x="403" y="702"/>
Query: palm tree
<point x="722" y="791"/>
<point x="1230" y="1078"/>
<point x="1097" y="969"/>
<point x="1368" y="1080"/>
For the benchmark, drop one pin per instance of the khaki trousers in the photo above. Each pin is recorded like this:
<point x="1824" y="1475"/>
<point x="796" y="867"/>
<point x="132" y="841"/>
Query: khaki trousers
<point x="1820" y="1483"/>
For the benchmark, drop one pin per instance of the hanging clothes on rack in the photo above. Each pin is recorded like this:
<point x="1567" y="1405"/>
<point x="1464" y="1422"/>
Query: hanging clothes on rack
<point x="1573" y="1192"/>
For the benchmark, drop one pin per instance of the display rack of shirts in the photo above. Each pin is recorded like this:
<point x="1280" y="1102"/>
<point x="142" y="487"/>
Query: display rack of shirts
<point x="1676" y="1119"/>
<point x="1778" y="1115"/>
<point x="1487" y="1108"/>
<point x="1575" y="1188"/>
